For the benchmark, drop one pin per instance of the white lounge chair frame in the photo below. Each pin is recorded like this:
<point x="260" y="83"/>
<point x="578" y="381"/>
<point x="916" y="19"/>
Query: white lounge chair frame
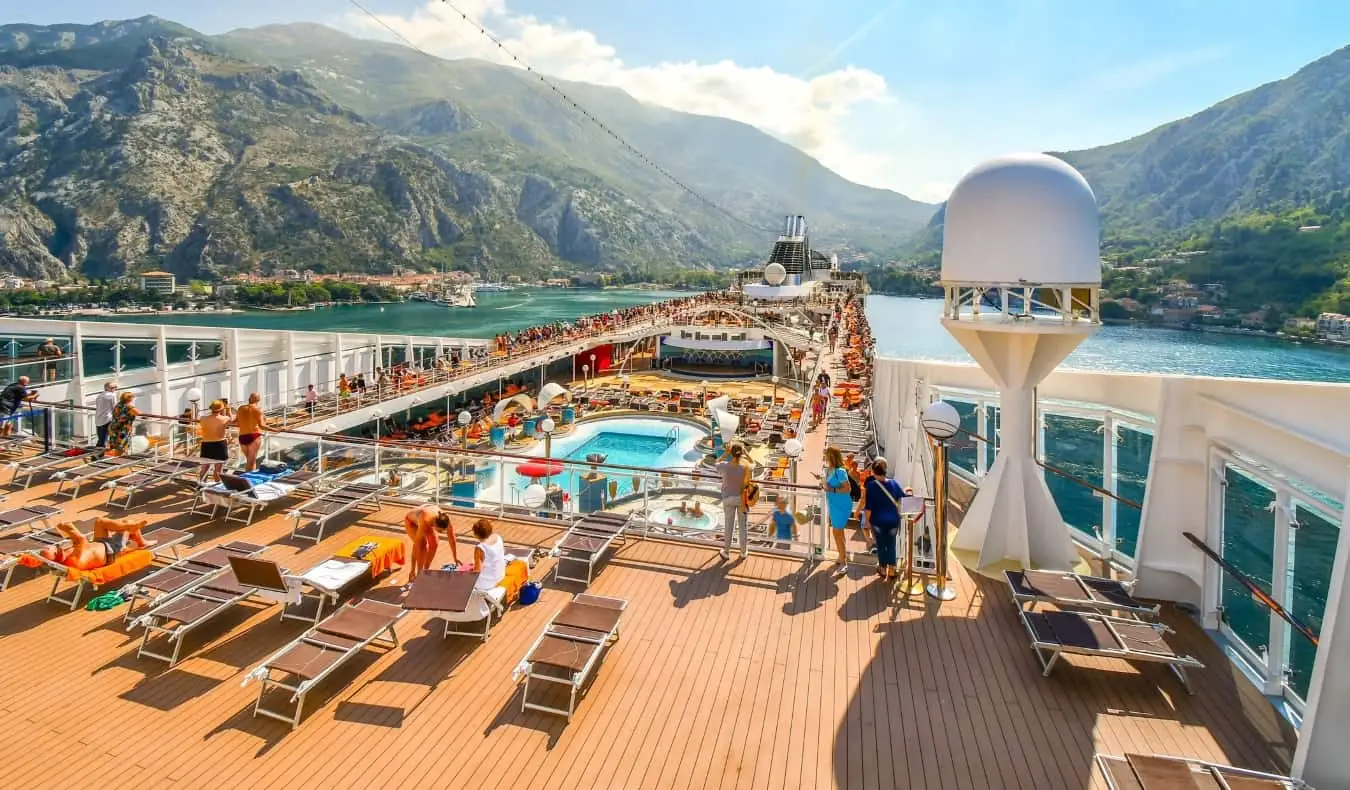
<point x="310" y="590"/>
<point x="49" y="462"/>
<point x="1049" y="653"/>
<point x="577" y="680"/>
<point x="47" y="537"/>
<point x="151" y="477"/>
<point x="60" y="571"/>
<point x="320" y="522"/>
<point x="223" y="600"/>
<point x="39" y="514"/>
<point x="95" y="469"/>
<point x="1205" y="768"/>
<point x="136" y="591"/>
<point x="1027" y="601"/>
<point x="236" y="500"/>
<point x="581" y="528"/>
<point x="263" y="674"/>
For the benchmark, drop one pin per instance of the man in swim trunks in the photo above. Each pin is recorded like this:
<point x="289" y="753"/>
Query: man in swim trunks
<point x="214" y="444"/>
<point x="249" y="420"/>
<point x="111" y="537"/>
<point x="421" y="524"/>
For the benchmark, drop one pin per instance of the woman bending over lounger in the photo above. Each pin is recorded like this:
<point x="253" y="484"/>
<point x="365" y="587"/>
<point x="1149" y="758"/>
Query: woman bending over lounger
<point x="111" y="537"/>
<point x="421" y="524"/>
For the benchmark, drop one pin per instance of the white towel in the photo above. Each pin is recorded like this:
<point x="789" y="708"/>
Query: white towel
<point x="290" y="596"/>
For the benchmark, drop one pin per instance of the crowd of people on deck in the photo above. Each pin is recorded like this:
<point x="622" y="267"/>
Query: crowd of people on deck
<point x="532" y="337"/>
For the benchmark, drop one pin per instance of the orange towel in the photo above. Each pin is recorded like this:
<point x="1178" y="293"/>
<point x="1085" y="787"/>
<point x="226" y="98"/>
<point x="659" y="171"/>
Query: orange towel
<point x="517" y="573"/>
<point x="388" y="553"/>
<point x="127" y="563"/>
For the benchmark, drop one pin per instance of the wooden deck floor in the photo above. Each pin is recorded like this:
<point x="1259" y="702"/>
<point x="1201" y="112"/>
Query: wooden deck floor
<point x="761" y="674"/>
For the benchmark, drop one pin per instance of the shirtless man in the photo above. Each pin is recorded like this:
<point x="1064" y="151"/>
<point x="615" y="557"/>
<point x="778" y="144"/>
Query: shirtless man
<point x="214" y="444"/>
<point x="249" y="420"/>
<point x="110" y="540"/>
<point x="421" y="524"/>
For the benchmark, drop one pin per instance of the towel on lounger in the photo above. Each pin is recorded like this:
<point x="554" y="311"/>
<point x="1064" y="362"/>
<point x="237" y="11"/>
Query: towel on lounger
<point x="517" y="573"/>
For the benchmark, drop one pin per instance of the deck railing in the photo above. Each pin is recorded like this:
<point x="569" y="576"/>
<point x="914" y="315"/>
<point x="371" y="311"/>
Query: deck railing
<point x="487" y="482"/>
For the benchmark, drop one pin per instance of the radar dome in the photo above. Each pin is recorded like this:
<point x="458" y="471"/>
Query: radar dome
<point x="775" y="274"/>
<point x="1022" y="218"/>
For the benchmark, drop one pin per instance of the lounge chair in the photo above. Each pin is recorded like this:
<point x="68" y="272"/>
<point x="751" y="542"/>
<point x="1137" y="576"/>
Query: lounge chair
<point x="1156" y="772"/>
<point x="26" y="515"/>
<point x="306" y="661"/>
<point x="177" y="617"/>
<point x="95" y="470"/>
<point x="1054" y="634"/>
<point x="327" y="582"/>
<point x="236" y="496"/>
<point x="187" y="572"/>
<point x="61" y="458"/>
<point x="569" y="650"/>
<point x="316" y="512"/>
<point x="13" y="550"/>
<point x="1074" y="591"/>
<point x="164" y="541"/>
<point x="452" y="596"/>
<point x="586" y="543"/>
<point x="172" y="470"/>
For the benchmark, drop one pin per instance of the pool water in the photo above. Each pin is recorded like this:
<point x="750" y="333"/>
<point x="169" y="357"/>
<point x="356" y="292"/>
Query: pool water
<point x="687" y="519"/>
<point x="624" y="449"/>
<point x="649" y="442"/>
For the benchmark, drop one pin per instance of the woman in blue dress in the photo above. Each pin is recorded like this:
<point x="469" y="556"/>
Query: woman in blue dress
<point x="838" y="503"/>
<point x="881" y="499"/>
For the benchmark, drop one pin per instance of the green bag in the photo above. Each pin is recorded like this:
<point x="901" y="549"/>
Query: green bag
<point x="104" y="602"/>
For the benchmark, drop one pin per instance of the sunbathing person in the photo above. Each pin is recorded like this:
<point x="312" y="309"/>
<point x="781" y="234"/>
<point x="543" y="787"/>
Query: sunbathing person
<point x="421" y="524"/>
<point x="110" y="540"/>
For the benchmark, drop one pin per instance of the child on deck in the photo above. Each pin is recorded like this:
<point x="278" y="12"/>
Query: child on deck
<point x="784" y="523"/>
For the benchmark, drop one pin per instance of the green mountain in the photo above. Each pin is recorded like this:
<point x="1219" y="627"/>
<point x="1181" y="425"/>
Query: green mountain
<point x="141" y="144"/>
<point x="1235" y="182"/>
<point x="735" y="165"/>
<point x="1280" y="146"/>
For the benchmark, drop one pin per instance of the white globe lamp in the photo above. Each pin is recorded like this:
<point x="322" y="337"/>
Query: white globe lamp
<point x="547" y="426"/>
<point x="941" y="420"/>
<point x="792" y="448"/>
<point x="465" y="418"/>
<point x="533" y="496"/>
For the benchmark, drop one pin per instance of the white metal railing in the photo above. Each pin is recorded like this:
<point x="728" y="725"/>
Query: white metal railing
<point x="488" y="483"/>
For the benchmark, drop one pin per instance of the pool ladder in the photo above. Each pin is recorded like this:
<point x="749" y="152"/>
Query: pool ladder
<point x="673" y="435"/>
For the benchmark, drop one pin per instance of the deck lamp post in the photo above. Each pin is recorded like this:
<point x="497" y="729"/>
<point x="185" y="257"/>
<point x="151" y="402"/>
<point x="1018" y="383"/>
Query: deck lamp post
<point x="941" y="422"/>
<point x="774" y="379"/>
<point x="593" y="365"/>
<point x="194" y="397"/>
<point x="548" y="426"/>
<point x="585" y="379"/>
<point x="792" y="448"/>
<point x="464" y="419"/>
<point x="705" y="394"/>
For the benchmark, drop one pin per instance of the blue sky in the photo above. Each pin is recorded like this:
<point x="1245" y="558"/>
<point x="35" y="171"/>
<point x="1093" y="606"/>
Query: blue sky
<point x="904" y="95"/>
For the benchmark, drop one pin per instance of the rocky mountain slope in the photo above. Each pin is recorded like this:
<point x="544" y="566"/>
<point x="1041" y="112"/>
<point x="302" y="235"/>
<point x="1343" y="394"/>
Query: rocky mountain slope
<point x="1285" y="143"/>
<point x="133" y="145"/>
<point x="735" y="165"/>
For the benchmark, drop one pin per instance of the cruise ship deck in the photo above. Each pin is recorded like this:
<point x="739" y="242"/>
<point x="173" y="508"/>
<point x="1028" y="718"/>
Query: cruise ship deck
<point x="766" y="673"/>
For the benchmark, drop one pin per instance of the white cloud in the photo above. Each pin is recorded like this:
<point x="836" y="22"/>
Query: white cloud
<point x="811" y="113"/>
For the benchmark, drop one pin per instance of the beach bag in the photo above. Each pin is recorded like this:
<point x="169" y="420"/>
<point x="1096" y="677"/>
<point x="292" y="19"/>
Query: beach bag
<point x="530" y="593"/>
<point x="749" y="493"/>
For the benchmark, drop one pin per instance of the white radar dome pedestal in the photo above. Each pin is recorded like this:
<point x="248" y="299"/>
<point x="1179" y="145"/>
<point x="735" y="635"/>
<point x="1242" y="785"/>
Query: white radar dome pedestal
<point x="1021" y="272"/>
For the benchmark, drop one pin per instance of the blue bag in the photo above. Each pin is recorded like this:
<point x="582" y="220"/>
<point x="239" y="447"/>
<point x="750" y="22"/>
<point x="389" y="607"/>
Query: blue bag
<point x="530" y="593"/>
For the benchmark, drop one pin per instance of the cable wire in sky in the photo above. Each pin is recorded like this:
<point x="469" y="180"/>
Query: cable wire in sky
<point x="567" y="100"/>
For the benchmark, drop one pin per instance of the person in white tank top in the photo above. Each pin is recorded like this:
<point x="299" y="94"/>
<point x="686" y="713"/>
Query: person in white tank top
<point x="489" y="557"/>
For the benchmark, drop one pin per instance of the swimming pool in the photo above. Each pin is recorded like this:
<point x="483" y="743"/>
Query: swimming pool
<point x="651" y="442"/>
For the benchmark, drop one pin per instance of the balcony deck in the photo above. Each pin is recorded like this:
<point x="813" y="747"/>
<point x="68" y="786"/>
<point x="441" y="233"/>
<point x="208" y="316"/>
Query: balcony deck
<point x="761" y="674"/>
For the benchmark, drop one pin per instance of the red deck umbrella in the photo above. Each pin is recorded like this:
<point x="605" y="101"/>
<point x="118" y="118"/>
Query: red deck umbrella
<point x="540" y="468"/>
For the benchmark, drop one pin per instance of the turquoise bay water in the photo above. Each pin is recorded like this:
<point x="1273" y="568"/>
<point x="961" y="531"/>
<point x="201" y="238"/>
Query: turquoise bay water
<point x="497" y="312"/>
<point x="908" y="327"/>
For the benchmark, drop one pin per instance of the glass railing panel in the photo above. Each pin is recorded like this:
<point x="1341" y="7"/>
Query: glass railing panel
<point x="1248" y="543"/>
<point x="963" y="450"/>
<point x="1074" y="445"/>
<point x="990" y="448"/>
<point x="1314" y="551"/>
<point x="1134" y="449"/>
